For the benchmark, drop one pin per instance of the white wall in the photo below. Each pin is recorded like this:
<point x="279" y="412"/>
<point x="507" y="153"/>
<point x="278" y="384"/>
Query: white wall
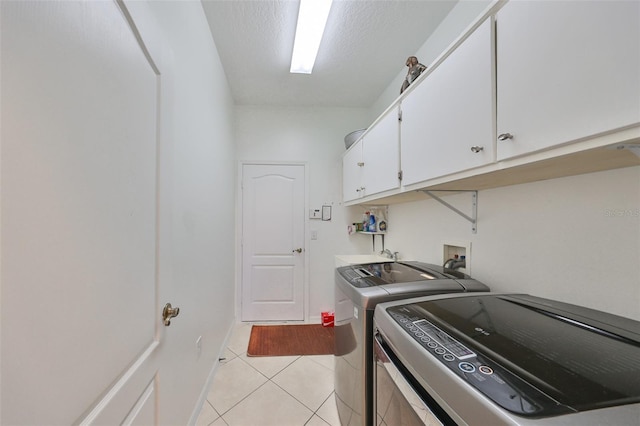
<point x="314" y="136"/>
<point x="575" y="239"/>
<point x="559" y="239"/>
<point x="197" y="196"/>
<point x="447" y="32"/>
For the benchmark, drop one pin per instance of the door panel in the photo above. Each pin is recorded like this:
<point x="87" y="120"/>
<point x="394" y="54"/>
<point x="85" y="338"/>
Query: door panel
<point x="566" y="70"/>
<point x="380" y="155"/>
<point x="79" y="119"/>
<point x="450" y="112"/>
<point x="144" y="412"/>
<point x="352" y="165"/>
<point x="272" y="230"/>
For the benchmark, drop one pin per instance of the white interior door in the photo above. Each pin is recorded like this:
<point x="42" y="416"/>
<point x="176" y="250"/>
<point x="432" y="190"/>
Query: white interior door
<point x="80" y="307"/>
<point x="273" y="204"/>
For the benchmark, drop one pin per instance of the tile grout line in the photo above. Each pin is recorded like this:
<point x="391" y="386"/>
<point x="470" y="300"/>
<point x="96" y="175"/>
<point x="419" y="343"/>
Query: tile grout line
<point x="237" y="403"/>
<point x="321" y="405"/>
<point x="313" y="412"/>
<point x="270" y="379"/>
<point x="246" y="396"/>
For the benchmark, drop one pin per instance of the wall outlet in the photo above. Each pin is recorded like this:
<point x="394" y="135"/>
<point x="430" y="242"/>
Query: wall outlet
<point x="314" y="234"/>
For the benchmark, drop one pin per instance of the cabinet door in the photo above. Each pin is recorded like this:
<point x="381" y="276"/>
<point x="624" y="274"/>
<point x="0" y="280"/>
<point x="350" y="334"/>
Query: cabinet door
<point x="352" y="172"/>
<point x="447" y="120"/>
<point x="380" y="154"/>
<point x="566" y="70"/>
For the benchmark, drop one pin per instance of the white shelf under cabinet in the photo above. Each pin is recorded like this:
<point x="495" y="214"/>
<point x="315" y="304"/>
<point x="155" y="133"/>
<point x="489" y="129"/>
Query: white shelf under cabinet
<point x="560" y="162"/>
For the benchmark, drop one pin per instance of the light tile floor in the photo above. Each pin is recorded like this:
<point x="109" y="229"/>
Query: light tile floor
<point x="263" y="391"/>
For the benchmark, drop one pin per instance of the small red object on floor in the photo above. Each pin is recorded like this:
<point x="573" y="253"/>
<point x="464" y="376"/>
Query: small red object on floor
<point x="327" y="319"/>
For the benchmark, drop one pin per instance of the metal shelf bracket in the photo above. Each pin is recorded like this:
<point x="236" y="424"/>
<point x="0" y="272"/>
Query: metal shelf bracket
<point x="631" y="147"/>
<point x="474" y="206"/>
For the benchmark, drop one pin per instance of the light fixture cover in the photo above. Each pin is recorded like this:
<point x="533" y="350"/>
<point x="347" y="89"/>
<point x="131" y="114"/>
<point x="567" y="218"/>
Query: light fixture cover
<point x="312" y="18"/>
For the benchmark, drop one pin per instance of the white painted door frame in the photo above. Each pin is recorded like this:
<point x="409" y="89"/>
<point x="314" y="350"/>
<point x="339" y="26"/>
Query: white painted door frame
<point x="239" y="260"/>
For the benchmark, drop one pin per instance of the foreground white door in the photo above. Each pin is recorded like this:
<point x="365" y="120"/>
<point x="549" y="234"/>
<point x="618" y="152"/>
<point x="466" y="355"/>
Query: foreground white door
<point x="273" y="242"/>
<point x="81" y="329"/>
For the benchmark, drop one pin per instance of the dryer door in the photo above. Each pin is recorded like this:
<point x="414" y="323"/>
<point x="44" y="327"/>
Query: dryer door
<point x="396" y="400"/>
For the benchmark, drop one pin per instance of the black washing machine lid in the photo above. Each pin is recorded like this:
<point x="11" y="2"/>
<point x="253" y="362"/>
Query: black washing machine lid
<point x="579" y="363"/>
<point x="377" y="274"/>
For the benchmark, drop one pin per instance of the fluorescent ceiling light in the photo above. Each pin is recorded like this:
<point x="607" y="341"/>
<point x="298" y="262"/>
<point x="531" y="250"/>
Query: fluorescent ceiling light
<point x="312" y="17"/>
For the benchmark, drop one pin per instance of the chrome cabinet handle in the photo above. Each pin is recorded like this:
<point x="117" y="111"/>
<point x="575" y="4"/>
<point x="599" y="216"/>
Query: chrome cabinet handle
<point x="477" y="149"/>
<point x="298" y="250"/>
<point x="360" y="164"/>
<point x="360" y="189"/>
<point x="505" y="136"/>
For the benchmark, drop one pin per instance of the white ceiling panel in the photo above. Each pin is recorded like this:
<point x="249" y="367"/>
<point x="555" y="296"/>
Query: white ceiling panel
<point x="364" y="47"/>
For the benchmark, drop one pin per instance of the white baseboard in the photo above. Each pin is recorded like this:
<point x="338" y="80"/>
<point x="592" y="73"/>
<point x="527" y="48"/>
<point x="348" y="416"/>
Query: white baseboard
<point x="209" y="382"/>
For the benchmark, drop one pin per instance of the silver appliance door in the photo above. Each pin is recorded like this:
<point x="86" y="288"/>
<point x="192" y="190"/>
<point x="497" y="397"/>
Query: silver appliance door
<point x="353" y="350"/>
<point x="348" y="364"/>
<point x="396" y="402"/>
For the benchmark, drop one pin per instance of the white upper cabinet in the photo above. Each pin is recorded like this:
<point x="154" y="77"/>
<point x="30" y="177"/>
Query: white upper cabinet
<point x="381" y="154"/>
<point x="372" y="164"/>
<point x="447" y="120"/>
<point x="352" y="172"/>
<point x="566" y="70"/>
<point x="532" y="90"/>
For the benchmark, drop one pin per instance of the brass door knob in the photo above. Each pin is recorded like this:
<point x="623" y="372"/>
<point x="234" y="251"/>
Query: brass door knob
<point x="169" y="312"/>
<point x="298" y="250"/>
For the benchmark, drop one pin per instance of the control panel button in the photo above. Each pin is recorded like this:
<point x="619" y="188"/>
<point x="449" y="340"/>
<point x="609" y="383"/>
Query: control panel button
<point x="485" y="369"/>
<point x="467" y="367"/>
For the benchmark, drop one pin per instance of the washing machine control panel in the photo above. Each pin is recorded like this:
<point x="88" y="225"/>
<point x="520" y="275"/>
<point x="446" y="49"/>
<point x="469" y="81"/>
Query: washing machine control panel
<point x="478" y="370"/>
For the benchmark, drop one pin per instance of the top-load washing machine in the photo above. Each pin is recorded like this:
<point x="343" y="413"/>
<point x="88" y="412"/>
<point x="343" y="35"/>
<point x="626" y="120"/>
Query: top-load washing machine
<point x="359" y="288"/>
<point x="504" y="359"/>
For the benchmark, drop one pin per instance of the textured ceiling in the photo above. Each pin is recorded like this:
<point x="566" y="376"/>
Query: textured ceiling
<point x="364" y="47"/>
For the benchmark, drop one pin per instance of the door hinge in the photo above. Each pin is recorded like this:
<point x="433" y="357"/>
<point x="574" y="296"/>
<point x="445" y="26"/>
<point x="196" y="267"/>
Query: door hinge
<point x="399" y="115"/>
<point x="400" y="175"/>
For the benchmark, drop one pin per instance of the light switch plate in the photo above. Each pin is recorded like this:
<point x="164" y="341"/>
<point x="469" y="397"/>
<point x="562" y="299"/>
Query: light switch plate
<point x="315" y="214"/>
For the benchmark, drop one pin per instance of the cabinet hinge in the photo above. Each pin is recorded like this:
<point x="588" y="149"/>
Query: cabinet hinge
<point x="400" y="175"/>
